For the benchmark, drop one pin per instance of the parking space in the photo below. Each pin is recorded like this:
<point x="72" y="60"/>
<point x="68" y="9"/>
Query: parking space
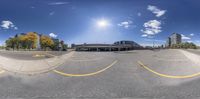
<point x="82" y="63"/>
<point x="108" y="75"/>
<point x="173" y="63"/>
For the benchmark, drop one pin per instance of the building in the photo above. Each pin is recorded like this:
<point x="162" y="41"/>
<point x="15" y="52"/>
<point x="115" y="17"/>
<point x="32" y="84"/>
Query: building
<point x="175" y="38"/>
<point x="127" y="43"/>
<point x="117" y="46"/>
<point x="168" y="43"/>
<point x="73" y="45"/>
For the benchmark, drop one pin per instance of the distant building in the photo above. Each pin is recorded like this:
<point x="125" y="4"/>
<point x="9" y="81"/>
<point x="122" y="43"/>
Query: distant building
<point x="175" y="38"/>
<point x="117" y="46"/>
<point x="73" y="45"/>
<point x="168" y="42"/>
<point x="127" y="43"/>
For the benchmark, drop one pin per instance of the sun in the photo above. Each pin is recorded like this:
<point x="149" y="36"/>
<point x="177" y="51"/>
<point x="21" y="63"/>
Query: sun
<point x="102" y="23"/>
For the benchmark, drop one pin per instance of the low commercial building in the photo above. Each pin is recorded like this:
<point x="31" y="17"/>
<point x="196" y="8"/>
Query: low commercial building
<point x="117" y="46"/>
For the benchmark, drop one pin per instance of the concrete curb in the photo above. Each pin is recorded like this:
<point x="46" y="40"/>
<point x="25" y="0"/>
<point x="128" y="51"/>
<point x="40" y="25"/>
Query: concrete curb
<point x="33" y="67"/>
<point x="191" y="56"/>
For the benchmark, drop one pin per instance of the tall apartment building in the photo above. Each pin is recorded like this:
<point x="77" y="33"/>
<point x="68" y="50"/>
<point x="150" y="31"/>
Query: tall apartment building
<point x="175" y="38"/>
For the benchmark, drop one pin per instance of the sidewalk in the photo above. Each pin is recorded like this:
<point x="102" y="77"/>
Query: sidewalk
<point x="32" y="67"/>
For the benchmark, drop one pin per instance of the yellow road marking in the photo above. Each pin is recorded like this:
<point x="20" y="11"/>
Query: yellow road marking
<point x="165" y="75"/>
<point x="88" y="74"/>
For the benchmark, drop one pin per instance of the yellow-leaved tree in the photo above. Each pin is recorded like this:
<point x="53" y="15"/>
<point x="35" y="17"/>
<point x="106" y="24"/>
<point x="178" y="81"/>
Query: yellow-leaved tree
<point x="32" y="39"/>
<point x="46" y="42"/>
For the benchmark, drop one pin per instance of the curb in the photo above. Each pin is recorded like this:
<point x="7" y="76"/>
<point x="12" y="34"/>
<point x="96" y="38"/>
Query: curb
<point x="60" y="60"/>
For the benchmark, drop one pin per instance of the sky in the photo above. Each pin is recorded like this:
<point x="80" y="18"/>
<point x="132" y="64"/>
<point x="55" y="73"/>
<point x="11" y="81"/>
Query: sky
<point x="102" y="21"/>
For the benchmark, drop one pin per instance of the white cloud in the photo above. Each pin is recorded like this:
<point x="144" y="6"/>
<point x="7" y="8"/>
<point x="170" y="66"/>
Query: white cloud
<point x="139" y="14"/>
<point x="16" y="28"/>
<point x="152" y="27"/>
<point x="53" y="35"/>
<point x="51" y="13"/>
<point x="158" y="12"/>
<point x="185" y="37"/>
<point x="125" y="24"/>
<point x="144" y="35"/>
<point x="152" y="24"/>
<point x="152" y="42"/>
<point x="192" y="34"/>
<point x="6" y="24"/>
<point x="189" y="41"/>
<point x="58" y="3"/>
<point x="155" y="40"/>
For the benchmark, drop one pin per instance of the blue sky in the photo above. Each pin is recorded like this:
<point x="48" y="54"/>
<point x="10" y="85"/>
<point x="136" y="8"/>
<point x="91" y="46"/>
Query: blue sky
<point x="77" y="21"/>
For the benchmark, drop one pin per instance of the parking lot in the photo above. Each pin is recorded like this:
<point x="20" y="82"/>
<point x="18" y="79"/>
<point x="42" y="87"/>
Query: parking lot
<point x="128" y="74"/>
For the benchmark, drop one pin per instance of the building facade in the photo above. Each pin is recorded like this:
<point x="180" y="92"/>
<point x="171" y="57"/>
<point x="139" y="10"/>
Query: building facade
<point x="175" y="38"/>
<point x="127" y="43"/>
<point x="168" y="42"/>
<point x="117" y="46"/>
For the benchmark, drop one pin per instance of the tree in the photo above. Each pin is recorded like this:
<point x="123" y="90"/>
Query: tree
<point x="63" y="46"/>
<point x="192" y="46"/>
<point x="2" y="47"/>
<point x="46" y="41"/>
<point x="8" y="43"/>
<point x="32" y="39"/>
<point x="185" y="45"/>
<point x="56" y="44"/>
<point x="11" y="43"/>
<point x="16" y="42"/>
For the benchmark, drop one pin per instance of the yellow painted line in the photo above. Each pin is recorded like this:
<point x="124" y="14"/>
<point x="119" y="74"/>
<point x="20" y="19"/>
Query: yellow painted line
<point x="88" y="74"/>
<point x="168" y="76"/>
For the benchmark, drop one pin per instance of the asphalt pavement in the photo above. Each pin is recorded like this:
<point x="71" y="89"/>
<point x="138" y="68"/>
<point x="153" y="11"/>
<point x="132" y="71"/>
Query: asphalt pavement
<point x="107" y="75"/>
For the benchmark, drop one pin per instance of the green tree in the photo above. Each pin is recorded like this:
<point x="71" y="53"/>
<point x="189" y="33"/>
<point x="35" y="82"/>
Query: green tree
<point x="10" y="43"/>
<point x="56" y="44"/>
<point x="185" y="45"/>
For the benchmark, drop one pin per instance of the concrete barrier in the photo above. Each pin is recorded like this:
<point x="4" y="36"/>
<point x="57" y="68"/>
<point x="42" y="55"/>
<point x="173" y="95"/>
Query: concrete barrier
<point x="191" y="56"/>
